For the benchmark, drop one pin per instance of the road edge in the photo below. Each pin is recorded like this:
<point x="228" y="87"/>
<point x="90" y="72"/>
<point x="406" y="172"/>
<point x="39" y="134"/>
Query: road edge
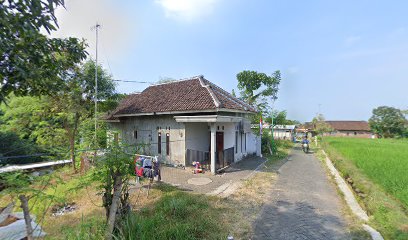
<point x="351" y="200"/>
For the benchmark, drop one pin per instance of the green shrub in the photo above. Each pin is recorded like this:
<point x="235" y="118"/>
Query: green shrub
<point x="177" y="215"/>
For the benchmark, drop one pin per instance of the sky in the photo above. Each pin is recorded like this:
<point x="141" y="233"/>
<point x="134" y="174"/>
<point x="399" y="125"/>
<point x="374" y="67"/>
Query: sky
<point x="338" y="58"/>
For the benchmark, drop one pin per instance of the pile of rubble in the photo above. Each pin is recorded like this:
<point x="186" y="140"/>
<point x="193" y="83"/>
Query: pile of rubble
<point x="64" y="209"/>
<point x="13" y="227"/>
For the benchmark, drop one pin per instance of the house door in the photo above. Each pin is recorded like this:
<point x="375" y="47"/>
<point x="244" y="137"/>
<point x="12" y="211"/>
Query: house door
<point x="219" y="142"/>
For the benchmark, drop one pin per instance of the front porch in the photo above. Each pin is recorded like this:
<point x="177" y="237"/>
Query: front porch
<point x="215" y="140"/>
<point x="235" y="173"/>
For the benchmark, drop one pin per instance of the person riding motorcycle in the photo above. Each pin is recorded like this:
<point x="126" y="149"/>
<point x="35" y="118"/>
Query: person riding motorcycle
<point x="305" y="145"/>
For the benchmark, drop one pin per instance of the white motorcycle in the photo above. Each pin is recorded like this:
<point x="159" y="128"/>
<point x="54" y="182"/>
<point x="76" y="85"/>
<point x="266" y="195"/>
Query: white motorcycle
<point x="305" y="147"/>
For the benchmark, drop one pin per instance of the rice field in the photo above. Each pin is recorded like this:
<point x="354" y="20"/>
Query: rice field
<point x="383" y="161"/>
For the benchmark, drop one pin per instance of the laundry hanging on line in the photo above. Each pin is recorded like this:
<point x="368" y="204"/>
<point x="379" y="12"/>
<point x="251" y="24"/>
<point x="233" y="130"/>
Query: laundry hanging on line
<point x="147" y="166"/>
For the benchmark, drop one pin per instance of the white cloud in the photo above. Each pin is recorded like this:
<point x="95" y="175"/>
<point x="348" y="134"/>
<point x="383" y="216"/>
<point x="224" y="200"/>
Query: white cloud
<point x="351" y="40"/>
<point x="78" y="16"/>
<point x="187" y="9"/>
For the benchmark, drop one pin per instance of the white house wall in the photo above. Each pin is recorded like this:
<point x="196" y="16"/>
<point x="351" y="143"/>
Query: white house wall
<point x="147" y="128"/>
<point x="282" y="134"/>
<point x="251" y="143"/>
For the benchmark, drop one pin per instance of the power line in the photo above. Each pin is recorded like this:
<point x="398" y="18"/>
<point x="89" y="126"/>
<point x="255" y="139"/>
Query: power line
<point x="130" y="81"/>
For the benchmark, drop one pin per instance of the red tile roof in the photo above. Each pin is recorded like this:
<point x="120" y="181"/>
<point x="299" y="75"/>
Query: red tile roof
<point x="349" y="125"/>
<point x="343" y="125"/>
<point x="193" y="94"/>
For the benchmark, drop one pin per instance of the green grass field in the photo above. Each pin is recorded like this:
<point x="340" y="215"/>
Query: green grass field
<point x="378" y="171"/>
<point x="384" y="161"/>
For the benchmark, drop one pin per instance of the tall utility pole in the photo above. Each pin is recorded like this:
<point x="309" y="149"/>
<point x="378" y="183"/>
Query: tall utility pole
<point x="272" y="116"/>
<point x="96" y="27"/>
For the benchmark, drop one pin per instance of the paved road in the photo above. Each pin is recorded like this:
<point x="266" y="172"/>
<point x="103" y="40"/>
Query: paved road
<point x="303" y="204"/>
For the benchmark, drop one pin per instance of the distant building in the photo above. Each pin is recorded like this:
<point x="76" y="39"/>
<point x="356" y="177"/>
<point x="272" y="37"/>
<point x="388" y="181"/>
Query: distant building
<point x="359" y="129"/>
<point x="350" y="129"/>
<point x="285" y="132"/>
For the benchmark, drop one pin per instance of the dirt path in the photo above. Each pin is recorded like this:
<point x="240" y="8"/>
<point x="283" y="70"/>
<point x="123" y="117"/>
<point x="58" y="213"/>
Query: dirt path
<point x="303" y="204"/>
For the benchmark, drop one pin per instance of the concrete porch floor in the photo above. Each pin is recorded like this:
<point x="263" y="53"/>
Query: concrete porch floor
<point x="235" y="173"/>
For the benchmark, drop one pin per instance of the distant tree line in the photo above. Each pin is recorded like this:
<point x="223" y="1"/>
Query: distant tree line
<point x="46" y="87"/>
<point x="389" y="122"/>
<point x="52" y="127"/>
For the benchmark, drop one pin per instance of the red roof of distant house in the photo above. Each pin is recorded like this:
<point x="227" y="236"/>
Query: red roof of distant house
<point x="193" y="94"/>
<point x="349" y="125"/>
<point x="343" y="125"/>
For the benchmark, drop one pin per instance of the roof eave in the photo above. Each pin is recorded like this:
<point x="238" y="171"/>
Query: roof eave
<point x="182" y="112"/>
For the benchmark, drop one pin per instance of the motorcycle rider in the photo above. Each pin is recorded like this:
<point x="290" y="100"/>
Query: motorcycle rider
<point x="305" y="141"/>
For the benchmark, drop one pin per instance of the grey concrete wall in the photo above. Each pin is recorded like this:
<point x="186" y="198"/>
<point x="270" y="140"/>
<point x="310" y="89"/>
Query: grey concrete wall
<point x="147" y="128"/>
<point x="197" y="136"/>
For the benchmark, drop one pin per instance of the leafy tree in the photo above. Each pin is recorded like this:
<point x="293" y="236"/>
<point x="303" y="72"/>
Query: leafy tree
<point x="55" y="123"/>
<point x="388" y="121"/>
<point x="110" y="103"/>
<point x="280" y="118"/>
<point x="75" y="103"/>
<point x="31" y="119"/>
<point x="30" y="62"/>
<point x="258" y="88"/>
<point x="320" y="126"/>
<point x="12" y="145"/>
<point x="29" y="128"/>
<point x="113" y="171"/>
<point x="233" y="93"/>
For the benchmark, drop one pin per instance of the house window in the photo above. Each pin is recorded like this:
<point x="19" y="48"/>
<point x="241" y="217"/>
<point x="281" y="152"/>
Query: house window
<point x="159" y="143"/>
<point x="135" y="134"/>
<point x="245" y="141"/>
<point x="167" y="144"/>
<point x="241" y="142"/>
<point x="236" y="142"/>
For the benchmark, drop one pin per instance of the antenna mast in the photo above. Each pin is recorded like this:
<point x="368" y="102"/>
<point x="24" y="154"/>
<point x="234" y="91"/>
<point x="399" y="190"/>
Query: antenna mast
<point x="96" y="27"/>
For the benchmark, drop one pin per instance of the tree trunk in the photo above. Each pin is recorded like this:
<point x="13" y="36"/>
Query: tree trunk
<point x="117" y="190"/>
<point x="269" y="147"/>
<point x="72" y="137"/>
<point x="27" y="218"/>
<point x="72" y="150"/>
<point x="107" y="196"/>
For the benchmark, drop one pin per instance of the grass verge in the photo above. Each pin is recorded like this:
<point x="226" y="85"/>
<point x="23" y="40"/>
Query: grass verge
<point x="167" y="213"/>
<point x="370" y="166"/>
